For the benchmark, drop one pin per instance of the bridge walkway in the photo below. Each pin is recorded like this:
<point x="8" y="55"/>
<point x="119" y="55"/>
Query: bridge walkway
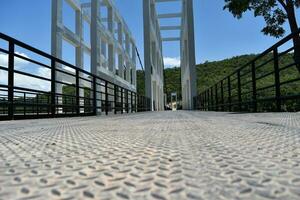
<point x="158" y="155"/>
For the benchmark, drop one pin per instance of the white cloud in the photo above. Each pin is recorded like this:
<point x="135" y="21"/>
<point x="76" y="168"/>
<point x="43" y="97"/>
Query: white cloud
<point x="3" y="60"/>
<point x="44" y="72"/>
<point x="172" y="62"/>
<point x="25" y="81"/>
<point x="32" y="83"/>
<point x="3" y="77"/>
<point x="19" y="63"/>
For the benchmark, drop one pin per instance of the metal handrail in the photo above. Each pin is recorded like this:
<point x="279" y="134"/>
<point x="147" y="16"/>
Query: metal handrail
<point x="61" y="104"/>
<point x="215" y="95"/>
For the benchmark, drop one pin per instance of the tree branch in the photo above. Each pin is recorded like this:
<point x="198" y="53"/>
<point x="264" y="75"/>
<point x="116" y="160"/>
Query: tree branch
<point x="283" y="4"/>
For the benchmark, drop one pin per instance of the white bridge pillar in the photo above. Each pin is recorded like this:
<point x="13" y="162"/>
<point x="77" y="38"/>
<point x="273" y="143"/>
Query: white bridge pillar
<point x="154" y="79"/>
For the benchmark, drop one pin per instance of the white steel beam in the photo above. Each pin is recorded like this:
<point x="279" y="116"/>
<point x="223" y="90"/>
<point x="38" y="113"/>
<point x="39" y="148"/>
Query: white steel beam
<point x="163" y="1"/>
<point x="169" y="28"/>
<point x="171" y="39"/>
<point x="169" y="15"/>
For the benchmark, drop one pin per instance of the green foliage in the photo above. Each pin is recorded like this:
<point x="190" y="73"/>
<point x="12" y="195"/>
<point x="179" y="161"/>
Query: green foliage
<point x="71" y="91"/>
<point x="140" y="78"/>
<point x="209" y="73"/>
<point x="274" y="12"/>
<point x="69" y="98"/>
<point x="172" y="82"/>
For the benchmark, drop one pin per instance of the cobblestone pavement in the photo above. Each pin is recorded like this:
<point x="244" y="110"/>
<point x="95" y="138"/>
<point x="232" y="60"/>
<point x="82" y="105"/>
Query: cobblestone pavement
<point x="163" y="155"/>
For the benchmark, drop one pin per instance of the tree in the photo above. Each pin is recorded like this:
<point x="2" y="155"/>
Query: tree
<point x="275" y="13"/>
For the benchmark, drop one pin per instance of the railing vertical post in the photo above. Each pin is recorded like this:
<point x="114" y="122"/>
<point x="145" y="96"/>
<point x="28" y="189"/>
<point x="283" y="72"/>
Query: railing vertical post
<point x="135" y="102"/>
<point x="127" y="101"/>
<point x="254" y="93"/>
<point x="11" y="66"/>
<point x="24" y="101"/>
<point x="212" y="98"/>
<point x="122" y="100"/>
<point x="115" y="97"/>
<point x="201" y="102"/>
<point x="95" y="95"/>
<point x="142" y="104"/>
<point x="106" y="97"/>
<point x="198" y="102"/>
<point x="216" y="97"/>
<point x="204" y="100"/>
<point x="77" y="93"/>
<point x="229" y="93"/>
<point x="37" y="105"/>
<point x="131" y="101"/>
<point x="208" y="99"/>
<point x="195" y="101"/>
<point x="49" y="103"/>
<point x="239" y="90"/>
<point x="138" y="103"/>
<point x="222" y="95"/>
<point x="277" y="80"/>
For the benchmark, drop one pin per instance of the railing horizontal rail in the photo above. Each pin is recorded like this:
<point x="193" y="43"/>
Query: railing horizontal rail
<point x="266" y="78"/>
<point x="31" y="75"/>
<point x="69" y="90"/>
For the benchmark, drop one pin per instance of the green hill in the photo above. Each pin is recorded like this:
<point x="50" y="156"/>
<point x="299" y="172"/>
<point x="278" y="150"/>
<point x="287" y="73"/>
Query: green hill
<point x="209" y="73"/>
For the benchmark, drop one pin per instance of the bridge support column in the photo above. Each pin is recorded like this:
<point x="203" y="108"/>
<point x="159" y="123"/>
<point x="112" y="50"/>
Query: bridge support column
<point x="154" y="80"/>
<point x="188" y="62"/>
<point x="56" y="43"/>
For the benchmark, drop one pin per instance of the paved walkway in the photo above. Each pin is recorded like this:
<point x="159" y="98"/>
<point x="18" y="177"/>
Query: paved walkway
<point x="165" y="155"/>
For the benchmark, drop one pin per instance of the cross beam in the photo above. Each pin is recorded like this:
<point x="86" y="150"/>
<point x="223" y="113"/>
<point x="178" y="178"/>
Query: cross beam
<point x="169" y="28"/>
<point x="171" y="39"/>
<point x="169" y="15"/>
<point x="162" y="1"/>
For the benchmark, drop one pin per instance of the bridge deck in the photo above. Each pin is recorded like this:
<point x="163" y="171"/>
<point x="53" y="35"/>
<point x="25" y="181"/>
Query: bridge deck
<point x="164" y="155"/>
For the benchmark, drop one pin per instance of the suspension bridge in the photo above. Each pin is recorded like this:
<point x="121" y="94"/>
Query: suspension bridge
<point x="89" y="135"/>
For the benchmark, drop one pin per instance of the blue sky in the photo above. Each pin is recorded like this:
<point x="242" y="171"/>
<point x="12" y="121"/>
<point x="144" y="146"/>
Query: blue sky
<point x="218" y="35"/>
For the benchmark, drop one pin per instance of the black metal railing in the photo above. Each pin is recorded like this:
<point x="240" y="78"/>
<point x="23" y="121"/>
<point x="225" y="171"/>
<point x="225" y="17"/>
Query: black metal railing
<point x="270" y="82"/>
<point x="50" y="87"/>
